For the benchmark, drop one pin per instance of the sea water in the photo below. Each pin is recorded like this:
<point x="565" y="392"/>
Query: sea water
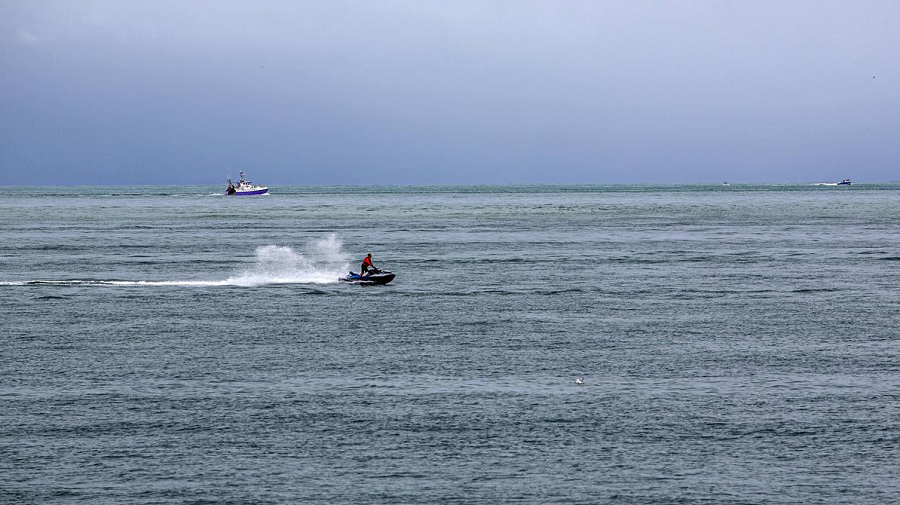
<point x="739" y="344"/>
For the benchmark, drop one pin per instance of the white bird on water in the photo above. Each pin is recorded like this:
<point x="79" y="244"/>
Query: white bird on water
<point x="579" y="381"/>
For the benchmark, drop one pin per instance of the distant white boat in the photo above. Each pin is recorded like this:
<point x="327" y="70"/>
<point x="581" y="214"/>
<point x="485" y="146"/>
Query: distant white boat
<point x="845" y="182"/>
<point x="244" y="187"/>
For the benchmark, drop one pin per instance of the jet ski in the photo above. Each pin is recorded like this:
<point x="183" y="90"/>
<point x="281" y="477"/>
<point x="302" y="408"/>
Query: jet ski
<point x="376" y="276"/>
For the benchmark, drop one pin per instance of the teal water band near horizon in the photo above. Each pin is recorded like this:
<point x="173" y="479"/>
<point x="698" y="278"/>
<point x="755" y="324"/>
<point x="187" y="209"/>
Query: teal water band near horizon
<point x="206" y="190"/>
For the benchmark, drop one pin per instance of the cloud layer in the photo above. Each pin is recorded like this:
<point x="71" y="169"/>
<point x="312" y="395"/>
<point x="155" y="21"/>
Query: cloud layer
<point x="447" y="92"/>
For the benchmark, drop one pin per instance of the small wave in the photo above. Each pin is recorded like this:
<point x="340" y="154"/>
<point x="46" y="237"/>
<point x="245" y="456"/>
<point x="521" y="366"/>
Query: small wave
<point x="815" y="290"/>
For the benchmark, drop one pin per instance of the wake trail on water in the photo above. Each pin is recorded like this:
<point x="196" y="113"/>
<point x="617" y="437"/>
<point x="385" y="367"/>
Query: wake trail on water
<point x="323" y="263"/>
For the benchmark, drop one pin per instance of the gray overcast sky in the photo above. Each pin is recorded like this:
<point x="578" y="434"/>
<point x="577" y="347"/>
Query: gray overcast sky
<point x="431" y="92"/>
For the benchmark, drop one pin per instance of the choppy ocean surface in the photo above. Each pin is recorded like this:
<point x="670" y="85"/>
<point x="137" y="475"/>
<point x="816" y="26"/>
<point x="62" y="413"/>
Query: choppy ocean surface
<point x="739" y="344"/>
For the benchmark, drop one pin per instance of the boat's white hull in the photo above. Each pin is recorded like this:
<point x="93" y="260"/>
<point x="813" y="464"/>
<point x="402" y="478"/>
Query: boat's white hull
<point x="252" y="191"/>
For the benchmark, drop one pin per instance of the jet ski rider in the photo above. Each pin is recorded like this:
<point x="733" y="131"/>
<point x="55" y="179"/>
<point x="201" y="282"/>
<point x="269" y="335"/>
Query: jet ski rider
<point x="366" y="265"/>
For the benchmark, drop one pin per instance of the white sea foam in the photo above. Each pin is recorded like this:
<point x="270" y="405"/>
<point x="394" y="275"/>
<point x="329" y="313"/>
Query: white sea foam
<point x="323" y="263"/>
